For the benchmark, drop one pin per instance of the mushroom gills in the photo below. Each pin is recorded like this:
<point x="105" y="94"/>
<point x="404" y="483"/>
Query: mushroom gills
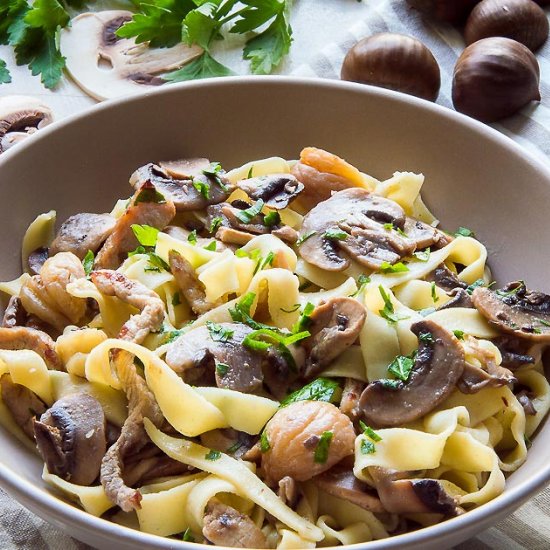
<point x="276" y="190"/>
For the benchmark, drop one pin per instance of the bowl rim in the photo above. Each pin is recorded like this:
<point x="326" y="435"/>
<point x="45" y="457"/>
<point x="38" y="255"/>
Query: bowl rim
<point x="77" y="519"/>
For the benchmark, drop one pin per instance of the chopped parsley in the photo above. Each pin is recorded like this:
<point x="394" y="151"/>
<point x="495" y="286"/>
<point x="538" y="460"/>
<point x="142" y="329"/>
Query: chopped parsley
<point x="176" y="299"/>
<point x="423" y="255"/>
<point x="202" y="187"/>
<point x="272" y="218"/>
<point x="367" y="447"/>
<point x="459" y="334"/>
<point x="192" y="237"/>
<point x="474" y="285"/>
<point x="369" y="432"/>
<point x="222" y="369"/>
<point x="188" y="536"/>
<point x="215" y="224"/>
<point x="389" y="384"/>
<point x="145" y="234"/>
<point x="235" y="447"/>
<point x="320" y="455"/>
<point x="148" y="193"/>
<point x="335" y="235"/>
<point x="507" y="293"/>
<point x="435" y="297"/>
<point x="88" y="262"/>
<point x="267" y="261"/>
<point x="426" y="337"/>
<point x="362" y="282"/>
<point x="253" y="254"/>
<point x="398" y="267"/>
<point x="320" y="389"/>
<point x="388" y="311"/>
<point x="246" y="216"/>
<point x="543" y="322"/>
<point x="156" y="263"/>
<point x="214" y="171"/>
<point x="464" y="232"/>
<point x="219" y="333"/>
<point x="305" y="318"/>
<point x="264" y="443"/>
<point x="305" y="237"/>
<point x="401" y="367"/>
<point x="249" y="175"/>
<point x="212" y="455"/>
<point x="388" y="226"/>
<point x="211" y="246"/>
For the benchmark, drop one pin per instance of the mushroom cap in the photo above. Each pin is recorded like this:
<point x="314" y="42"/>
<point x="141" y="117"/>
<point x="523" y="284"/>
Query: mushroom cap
<point x="106" y="66"/>
<point x="516" y="310"/>
<point x="20" y="116"/>
<point x="361" y="216"/>
<point x="276" y="190"/>
<point x="71" y="438"/>
<point x="438" y="366"/>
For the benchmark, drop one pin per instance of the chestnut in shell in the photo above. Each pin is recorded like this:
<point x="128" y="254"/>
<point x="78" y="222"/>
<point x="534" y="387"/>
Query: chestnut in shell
<point x="494" y="78"/>
<point x="521" y="20"/>
<point x="394" y="61"/>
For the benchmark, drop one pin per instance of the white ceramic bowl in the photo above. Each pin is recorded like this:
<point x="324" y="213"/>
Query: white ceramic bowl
<point x="475" y="177"/>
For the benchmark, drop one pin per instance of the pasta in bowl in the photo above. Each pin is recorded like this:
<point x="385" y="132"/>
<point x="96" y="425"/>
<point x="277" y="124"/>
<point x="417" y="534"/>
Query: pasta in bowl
<point x="289" y="354"/>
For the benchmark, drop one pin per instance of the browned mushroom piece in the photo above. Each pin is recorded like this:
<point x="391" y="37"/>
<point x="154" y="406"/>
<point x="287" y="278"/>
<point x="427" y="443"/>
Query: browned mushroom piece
<point x="35" y="340"/>
<point x="525" y="398"/>
<point x="225" y="526"/>
<point x="475" y="378"/>
<point x="228" y="441"/>
<point x="350" y="397"/>
<point x="71" y="438"/>
<point x="412" y="496"/>
<point x="23" y="404"/>
<point x="188" y="283"/>
<point x="305" y="439"/>
<point x="184" y="182"/>
<point x="334" y="327"/>
<point x="37" y="258"/>
<point x="340" y="482"/>
<point x="217" y="351"/>
<point x="289" y="492"/>
<point x="83" y="232"/>
<point x="459" y="298"/>
<point x="444" y="278"/>
<point x="370" y="229"/>
<point x="516" y="310"/>
<point x="513" y="351"/>
<point x="438" y="366"/>
<point x="276" y="190"/>
<point x="14" y="314"/>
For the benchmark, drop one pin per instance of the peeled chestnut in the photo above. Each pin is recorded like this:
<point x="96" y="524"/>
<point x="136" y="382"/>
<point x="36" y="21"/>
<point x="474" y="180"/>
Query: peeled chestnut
<point x="521" y="20"/>
<point x="494" y="78"/>
<point x="394" y="61"/>
<point x="451" y="11"/>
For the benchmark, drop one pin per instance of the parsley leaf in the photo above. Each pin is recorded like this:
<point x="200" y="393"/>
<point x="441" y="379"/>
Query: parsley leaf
<point x="388" y="311"/>
<point x="389" y="384"/>
<point x="149" y="193"/>
<point x="212" y="455"/>
<point x="188" y="536"/>
<point x="401" y="367"/>
<point x="219" y="333"/>
<point x="335" y="235"/>
<point x="459" y="334"/>
<point x="367" y="447"/>
<point x="192" y="237"/>
<point x="369" y="432"/>
<point x="305" y="237"/>
<point x="321" y="389"/>
<point x="204" y="66"/>
<point x="305" y="318"/>
<point x="474" y="285"/>
<point x="362" y="282"/>
<point x="202" y="187"/>
<point x="145" y="234"/>
<point x="5" y="77"/>
<point x="215" y="224"/>
<point x="464" y="232"/>
<point x="222" y="369"/>
<point x="423" y="255"/>
<point x="320" y="455"/>
<point x="266" y="50"/>
<point x="246" y="216"/>
<point x="211" y="246"/>
<point x="272" y="218"/>
<point x="399" y="267"/>
<point x="435" y="297"/>
<point x="88" y="262"/>
<point x="264" y="443"/>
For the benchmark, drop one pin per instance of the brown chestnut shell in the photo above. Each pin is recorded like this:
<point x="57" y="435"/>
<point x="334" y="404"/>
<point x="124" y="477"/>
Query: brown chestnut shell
<point x="521" y="20"/>
<point x="494" y="78"/>
<point x="394" y="61"/>
<point x="450" y="11"/>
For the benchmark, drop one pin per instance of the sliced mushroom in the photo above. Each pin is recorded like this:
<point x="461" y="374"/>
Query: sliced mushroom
<point x="289" y="492"/>
<point x="23" y="404"/>
<point x="353" y="224"/>
<point x="228" y="441"/>
<point x="516" y="310"/>
<point x="276" y="190"/>
<point x="35" y="340"/>
<point x="106" y="66"/>
<point x="202" y="352"/>
<point x="37" y="258"/>
<point x="513" y="351"/>
<point x="444" y="278"/>
<point x="438" y="365"/>
<point x="350" y="397"/>
<point x="71" y="438"/>
<point x="225" y="526"/>
<point x="181" y="181"/>
<point x="21" y="116"/>
<point x="334" y="327"/>
<point x="425" y="235"/>
<point x="14" y="315"/>
<point x="157" y="213"/>
<point x="340" y="482"/>
<point x="83" y="232"/>
<point x="459" y="298"/>
<point x="412" y="496"/>
<point x="525" y="398"/>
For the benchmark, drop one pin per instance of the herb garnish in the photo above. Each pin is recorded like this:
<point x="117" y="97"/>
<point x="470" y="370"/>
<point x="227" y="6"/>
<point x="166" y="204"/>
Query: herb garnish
<point x="176" y="299"/>
<point x="215" y="224"/>
<point x="304" y="320"/>
<point x="389" y="384"/>
<point x="246" y="216"/>
<point x="192" y="237"/>
<point x="398" y="267"/>
<point x="213" y="171"/>
<point x="145" y="234"/>
<point x="369" y="432"/>
<point x="334" y="234"/>
<point x="388" y="311"/>
<point x="148" y="193"/>
<point x="435" y="297"/>
<point x="402" y="366"/>
<point x="464" y="232"/>
<point x="367" y="447"/>
<point x="212" y="455"/>
<point x="305" y="237"/>
<point x="202" y="187"/>
<point x="426" y="337"/>
<point x="422" y="255"/>
<point x="88" y="262"/>
<point x="459" y="334"/>
<point x="211" y="246"/>
<point x="320" y="455"/>
<point x="474" y="285"/>
<point x="222" y="369"/>
<point x="272" y="218"/>
<point x="320" y="389"/>
<point x="264" y="443"/>
<point x="362" y="282"/>
<point x="188" y="536"/>
<point x="219" y="333"/>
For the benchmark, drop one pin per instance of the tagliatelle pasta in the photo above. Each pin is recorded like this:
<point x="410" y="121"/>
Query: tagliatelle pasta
<point x="289" y="354"/>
